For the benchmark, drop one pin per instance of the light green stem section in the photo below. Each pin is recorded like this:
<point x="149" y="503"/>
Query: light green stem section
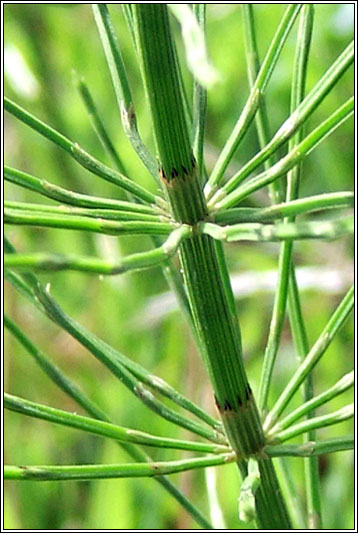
<point x="104" y="429"/>
<point x="218" y="332"/>
<point x="292" y="208"/>
<point x="279" y="232"/>
<point x="50" y="262"/>
<point x="335" y="323"/>
<point x="317" y="422"/>
<point x="296" y="155"/>
<point x="299" y="116"/>
<point x="65" y="196"/>
<point x="129" y="470"/>
<point x="79" y="154"/>
<point x="341" y="386"/>
<point x="311" y="448"/>
<point x="253" y="101"/>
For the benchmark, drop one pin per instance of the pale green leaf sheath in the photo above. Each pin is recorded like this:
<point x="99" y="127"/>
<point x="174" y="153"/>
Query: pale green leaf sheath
<point x="206" y="282"/>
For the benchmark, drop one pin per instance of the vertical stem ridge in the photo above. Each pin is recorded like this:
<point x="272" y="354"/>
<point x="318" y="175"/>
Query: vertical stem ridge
<point x="201" y="258"/>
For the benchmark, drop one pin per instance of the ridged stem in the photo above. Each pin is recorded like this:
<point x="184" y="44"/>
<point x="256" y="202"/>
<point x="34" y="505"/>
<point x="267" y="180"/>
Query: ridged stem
<point x="209" y="292"/>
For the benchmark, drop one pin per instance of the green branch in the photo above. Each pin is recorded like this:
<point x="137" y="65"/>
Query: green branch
<point x="341" y="386"/>
<point x="319" y="348"/>
<point x="84" y="223"/>
<point x="316" y="422"/>
<point x="223" y="200"/>
<point x="302" y="206"/>
<point x="253" y="101"/>
<point x="97" y="122"/>
<point x="311" y="448"/>
<point x="50" y="190"/>
<point x="87" y="472"/>
<point x="328" y="229"/>
<point x="79" y="154"/>
<point x="104" y="429"/>
<point x="50" y="262"/>
<point x="121" y="85"/>
<point x="299" y="116"/>
<point x="108" y="214"/>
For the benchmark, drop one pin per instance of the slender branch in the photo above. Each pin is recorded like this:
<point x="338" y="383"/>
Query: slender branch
<point x="285" y="256"/>
<point x="314" y="423"/>
<point x="329" y="229"/>
<point x="311" y="448"/>
<point x="54" y="262"/>
<point x="319" y="348"/>
<point x="108" y="214"/>
<point x="253" y="67"/>
<point x="70" y="388"/>
<point x="199" y="103"/>
<point x="104" y="429"/>
<point x="128" y="470"/>
<point x="79" y="154"/>
<point x="121" y="85"/>
<point x="53" y="372"/>
<point x="84" y="223"/>
<point x="302" y="206"/>
<point x="50" y="190"/>
<point x="341" y="386"/>
<point x="300" y="115"/>
<point x="97" y="122"/>
<point x="222" y="200"/>
<point x="253" y="101"/>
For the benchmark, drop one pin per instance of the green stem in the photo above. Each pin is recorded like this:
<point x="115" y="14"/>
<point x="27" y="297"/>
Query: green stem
<point x="218" y="332"/>
<point x="105" y="429"/>
<point x="253" y="101"/>
<point x="317" y="422"/>
<point x="341" y="386"/>
<point x="222" y="200"/>
<point x="319" y="348"/>
<point x="292" y="208"/>
<point x="87" y="472"/>
<point x="50" y="190"/>
<point x="83" y="223"/>
<point x="70" y="388"/>
<point x="311" y="448"/>
<point x="79" y="154"/>
<point x="300" y="115"/>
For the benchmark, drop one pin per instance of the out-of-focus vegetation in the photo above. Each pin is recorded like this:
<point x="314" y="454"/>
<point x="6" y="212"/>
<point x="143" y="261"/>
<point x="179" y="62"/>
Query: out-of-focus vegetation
<point x="43" y="44"/>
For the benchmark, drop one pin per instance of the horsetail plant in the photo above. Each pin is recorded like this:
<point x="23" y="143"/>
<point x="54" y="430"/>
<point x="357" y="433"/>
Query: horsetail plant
<point x="190" y="215"/>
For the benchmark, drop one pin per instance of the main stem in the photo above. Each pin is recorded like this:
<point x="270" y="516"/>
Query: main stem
<point x="204" y="270"/>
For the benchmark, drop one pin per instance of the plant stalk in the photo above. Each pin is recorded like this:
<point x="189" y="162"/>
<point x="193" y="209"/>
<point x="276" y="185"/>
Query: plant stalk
<point x="209" y="292"/>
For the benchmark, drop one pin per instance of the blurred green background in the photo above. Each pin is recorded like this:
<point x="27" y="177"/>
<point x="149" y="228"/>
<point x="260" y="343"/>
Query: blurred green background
<point x="43" y="44"/>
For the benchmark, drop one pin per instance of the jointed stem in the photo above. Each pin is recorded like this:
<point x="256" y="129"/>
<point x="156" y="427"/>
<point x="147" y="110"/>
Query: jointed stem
<point x="87" y="472"/>
<point x="213" y="314"/>
<point x="79" y="154"/>
<point x="104" y="429"/>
